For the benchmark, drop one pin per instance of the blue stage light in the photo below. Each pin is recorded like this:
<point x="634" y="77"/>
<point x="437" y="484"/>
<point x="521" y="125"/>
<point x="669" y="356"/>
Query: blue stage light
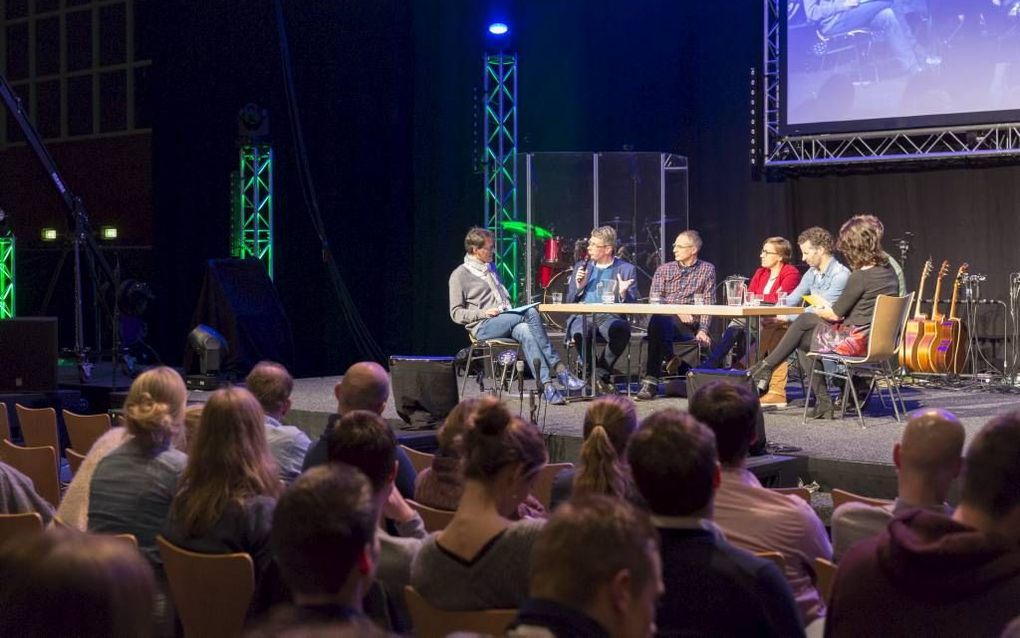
<point x="498" y="28"/>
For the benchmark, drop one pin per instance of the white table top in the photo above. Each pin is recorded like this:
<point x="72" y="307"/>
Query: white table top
<point x="670" y="309"/>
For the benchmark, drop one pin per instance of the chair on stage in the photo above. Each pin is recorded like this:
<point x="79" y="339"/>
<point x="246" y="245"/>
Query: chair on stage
<point x="489" y="350"/>
<point x="37" y="463"/>
<point x="432" y="622"/>
<point x="85" y="429"/>
<point x="884" y="339"/>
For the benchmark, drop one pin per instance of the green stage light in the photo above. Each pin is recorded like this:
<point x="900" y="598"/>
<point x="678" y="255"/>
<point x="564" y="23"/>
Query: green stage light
<point x="109" y="233"/>
<point x="521" y="228"/>
<point x="49" y="234"/>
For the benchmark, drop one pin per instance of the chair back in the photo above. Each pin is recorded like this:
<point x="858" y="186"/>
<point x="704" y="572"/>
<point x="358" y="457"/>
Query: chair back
<point x="38" y="464"/>
<point x="542" y="489"/>
<point x="419" y="460"/>
<point x="130" y="539"/>
<point x="887" y="323"/>
<point x="38" y="426"/>
<point x="211" y="592"/>
<point x="5" y="422"/>
<point x="800" y="492"/>
<point x="841" y="497"/>
<point x="84" y="429"/>
<point x="435" y="519"/>
<point x="778" y="559"/>
<point x="825" y="571"/>
<point x="430" y="622"/>
<point x="15" y="525"/>
<point x="74" y="460"/>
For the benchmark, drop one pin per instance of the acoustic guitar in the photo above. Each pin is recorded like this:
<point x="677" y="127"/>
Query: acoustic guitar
<point x="954" y="342"/>
<point x="928" y="344"/>
<point x="912" y="331"/>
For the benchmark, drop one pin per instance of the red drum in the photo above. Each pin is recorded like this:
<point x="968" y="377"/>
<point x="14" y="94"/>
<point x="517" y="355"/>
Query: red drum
<point x="551" y="254"/>
<point x="545" y="274"/>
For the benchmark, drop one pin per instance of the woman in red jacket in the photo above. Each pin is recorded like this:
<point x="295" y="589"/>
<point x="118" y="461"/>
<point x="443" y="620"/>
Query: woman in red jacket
<point x="776" y="275"/>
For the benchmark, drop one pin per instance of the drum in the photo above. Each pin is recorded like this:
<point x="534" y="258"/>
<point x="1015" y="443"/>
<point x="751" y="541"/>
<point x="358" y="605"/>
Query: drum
<point x="558" y="283"/>
<point x="551" y="250"/>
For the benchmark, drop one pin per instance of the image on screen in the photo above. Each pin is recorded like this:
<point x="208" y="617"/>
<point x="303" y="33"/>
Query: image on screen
<point x="865" y="65"/>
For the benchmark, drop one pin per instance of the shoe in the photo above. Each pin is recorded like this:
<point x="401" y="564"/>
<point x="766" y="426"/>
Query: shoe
<point x="603" y="386"/>
<point x="774" y="400"/>
<point x="569" y="381"/>
<point x="823" y="410"/>
<point x="760" y="374"/>
<point x="648" y="391"/>
<point x="553" y="396"/>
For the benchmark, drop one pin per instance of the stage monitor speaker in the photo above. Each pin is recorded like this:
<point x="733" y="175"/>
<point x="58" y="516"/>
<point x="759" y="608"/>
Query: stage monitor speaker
<point x="424" y="389"/>
<point x="699" y="377"/>
<point x="28" y="354"/>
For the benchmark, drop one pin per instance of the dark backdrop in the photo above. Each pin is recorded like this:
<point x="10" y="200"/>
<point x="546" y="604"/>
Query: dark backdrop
<point x="385" y="90"/>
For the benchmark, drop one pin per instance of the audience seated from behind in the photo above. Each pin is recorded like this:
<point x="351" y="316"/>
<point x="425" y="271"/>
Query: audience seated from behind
<point x="18" y="495"/>
<point x="712" y="587"/>
<point x="928" y="458"/>
<point x="132" y="486"/>
<point x="480" y="561"/>
<point x="752" y="517"/>
<point x="272" y="384"/>
<point x="66" y="583"/>
<point x="602" y="465"/>
<point x="365" y="386"/>
<point x="324" y="540"/>
<point x="364" y="441"/>
<point x="936" y="575"/>
<point x="441" y="485"/>
<point x="229" y="486"/>
<point x="595" y="571"/>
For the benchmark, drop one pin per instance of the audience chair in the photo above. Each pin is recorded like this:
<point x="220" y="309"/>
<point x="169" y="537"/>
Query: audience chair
<point x="74" y="460"/>
<point x="211" y="592"/>
<point x="38" y="464"/>
<point x="841" y="497"/>
<point x="801" y="492"/>
<point x="887" y="323"/>
<point x="130" y="539"/>
<point x="5" y="423"/>
<point x="419" y="460"/>
<point x="84" y="429"/>
<point x="435" y="519"/>
<point x="487" y="350"/>
<point x="542" y="490"/>
<point x="775" y="557"/>
<point x="430" y="622"/>
<point x="15" y="525"/>
<point x="825" y="572"/>
<point x="38" y="426"/>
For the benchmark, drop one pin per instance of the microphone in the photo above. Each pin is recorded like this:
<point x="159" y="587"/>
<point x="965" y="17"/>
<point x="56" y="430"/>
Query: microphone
<point x="519" y="366"/>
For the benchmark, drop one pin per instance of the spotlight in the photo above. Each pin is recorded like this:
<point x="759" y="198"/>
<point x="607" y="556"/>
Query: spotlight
<point x="498" y="28"/>
<point x="49" y="234"/>
<point x="109" y="233"/>
<point x="210" y="346"/>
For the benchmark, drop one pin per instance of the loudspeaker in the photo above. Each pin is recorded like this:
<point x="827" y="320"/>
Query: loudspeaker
<point x="28" y="354"/>
<point x="702" y="376"/>
<point x="424" y="389"/>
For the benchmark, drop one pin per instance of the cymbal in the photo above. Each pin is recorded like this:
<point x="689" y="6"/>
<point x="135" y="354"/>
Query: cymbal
<point x="616" y="222"/>
<point x="664" y="220"/>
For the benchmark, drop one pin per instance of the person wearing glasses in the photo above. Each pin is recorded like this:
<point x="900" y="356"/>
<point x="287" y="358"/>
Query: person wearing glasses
<point x="602" y="271"/>
<point x="677" y="282"/>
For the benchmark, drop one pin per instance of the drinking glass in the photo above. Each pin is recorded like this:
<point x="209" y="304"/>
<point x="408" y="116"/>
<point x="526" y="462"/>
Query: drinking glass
<point x="656" y="299"/>
<point x="557" y="297"/>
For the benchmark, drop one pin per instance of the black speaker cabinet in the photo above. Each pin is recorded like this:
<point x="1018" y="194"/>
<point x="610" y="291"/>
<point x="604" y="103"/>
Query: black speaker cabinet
<point x="28" y="354"/>
<point x="702" y="376"/>
<point x="424" y="389"/>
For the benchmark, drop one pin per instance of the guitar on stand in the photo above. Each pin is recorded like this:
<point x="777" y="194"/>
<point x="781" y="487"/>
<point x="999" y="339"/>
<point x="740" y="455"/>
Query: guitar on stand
<point x="954" y="341"/>
<point x="928" y="344"/>
<point x="912" y="331"/>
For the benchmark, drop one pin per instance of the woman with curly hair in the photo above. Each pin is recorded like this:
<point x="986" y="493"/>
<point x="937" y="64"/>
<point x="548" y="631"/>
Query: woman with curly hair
<point x="860" y="241"/>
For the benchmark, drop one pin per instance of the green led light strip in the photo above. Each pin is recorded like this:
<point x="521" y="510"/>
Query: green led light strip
<point x="7" y="287"/>
<point x="253" y="226"/>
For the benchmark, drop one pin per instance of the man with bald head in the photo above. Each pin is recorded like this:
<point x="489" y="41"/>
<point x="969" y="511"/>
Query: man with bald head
<point x="365" y="386"/>
<point x="928" y="458"/>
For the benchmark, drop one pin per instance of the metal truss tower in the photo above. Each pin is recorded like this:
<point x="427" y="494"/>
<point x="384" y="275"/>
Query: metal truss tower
<point x="500" y="160"/>
<point x="253" y="224"/>
<point x="7" y="308"/>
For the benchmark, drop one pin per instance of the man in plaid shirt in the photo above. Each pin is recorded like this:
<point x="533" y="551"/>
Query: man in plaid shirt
<point x="677" y="282"/>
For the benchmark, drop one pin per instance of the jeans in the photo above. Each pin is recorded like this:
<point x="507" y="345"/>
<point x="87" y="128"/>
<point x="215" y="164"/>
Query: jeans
<point x="614" y="330"/>
<point x="526" y="327"/>
<point x="877" y="15"/>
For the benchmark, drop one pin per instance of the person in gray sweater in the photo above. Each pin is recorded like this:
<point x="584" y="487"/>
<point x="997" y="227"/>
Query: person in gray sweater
<point x="480" y="303"/>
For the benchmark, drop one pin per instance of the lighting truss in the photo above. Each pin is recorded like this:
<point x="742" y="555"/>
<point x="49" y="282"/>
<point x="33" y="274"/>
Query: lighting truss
<point x="253" y="225"/>
<point x="991" y="140"/>
<point x="500" y="130"/>
<point x="7" y="277"/>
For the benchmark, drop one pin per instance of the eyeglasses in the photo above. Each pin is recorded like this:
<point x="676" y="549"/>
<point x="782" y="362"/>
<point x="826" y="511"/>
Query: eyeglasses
<point x="592" y="244"/>
<point x="769" y="252"/>
<point x="683" y="246"/>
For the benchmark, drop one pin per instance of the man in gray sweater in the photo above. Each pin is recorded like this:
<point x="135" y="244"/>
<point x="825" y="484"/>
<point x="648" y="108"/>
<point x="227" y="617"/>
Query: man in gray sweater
<point x="480" y="303"/>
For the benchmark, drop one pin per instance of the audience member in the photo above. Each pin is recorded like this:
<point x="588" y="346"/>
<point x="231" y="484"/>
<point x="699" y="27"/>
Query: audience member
<point x="229" y="486"/>
<point x="18" y="495"/>
<point x="441" y="485"/>
<point x="931" y="574"/>
<point x="272" y="384"/>
<point x="714" y="588"/>
<point x="927" y="459"/>
<point x="480" y="561"/>
<point x="74" y="506"/>
<point x="595" y="571"/>
<point x="752" y="517"/>
<point x="192" y="417"/>
<point x="364" y="441"/>
<point x="324" y="540"/>
<point x="65" y="583"/>
<point x="602" y="465"/>
<point x="132" y="487"/>
<point x="365" y="386"/>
